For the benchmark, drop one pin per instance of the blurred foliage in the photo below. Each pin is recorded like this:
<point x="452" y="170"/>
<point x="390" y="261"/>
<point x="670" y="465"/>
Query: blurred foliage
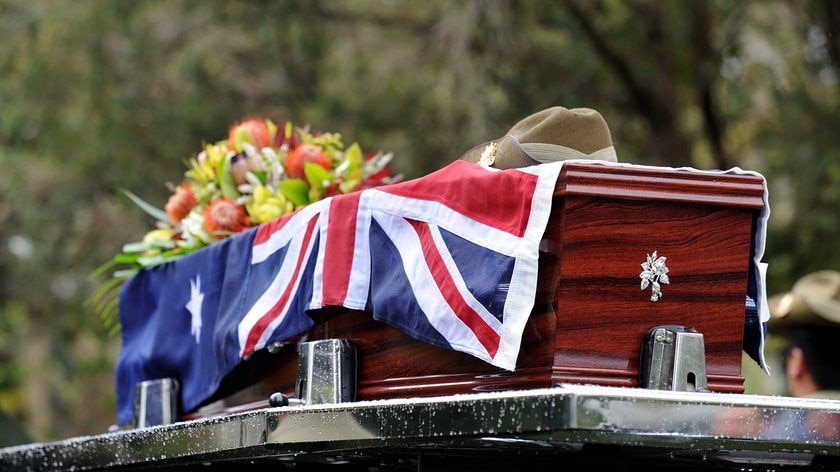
<point x="104" y="95"/>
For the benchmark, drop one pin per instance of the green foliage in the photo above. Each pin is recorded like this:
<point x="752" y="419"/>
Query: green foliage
<point x="103" y="95"/>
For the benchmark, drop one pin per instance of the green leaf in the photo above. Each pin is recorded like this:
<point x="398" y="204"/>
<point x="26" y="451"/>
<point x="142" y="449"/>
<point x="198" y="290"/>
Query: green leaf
<point x="103" y="292"/>
<point x="163" y="244"/>
<point x="135" y="247"/>
<point x="106" y="266"/>
<point x="124" y="258"/>
<point x="153" y="260"/>
<point x="105" y="301"/>
<point x="240" y="136"/>
<point x="354" y="156"/>
<point x="318" y="179"/>
<point x="261" y="174"/>
<point x="155" y="212"/>
<point x="296" y="190"/>
<point x="138" y="247"/>
<point x="351" y="169"/>
<point x="125" y="274"/>
<point x="226" y="182"/>
<point x="317" y="175"/>
<point x="348" y="184"/>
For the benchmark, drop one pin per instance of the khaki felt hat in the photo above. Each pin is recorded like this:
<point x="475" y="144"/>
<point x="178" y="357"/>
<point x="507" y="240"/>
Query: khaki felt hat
<point x="553" y="134"/>
<point x="814" y="300"/>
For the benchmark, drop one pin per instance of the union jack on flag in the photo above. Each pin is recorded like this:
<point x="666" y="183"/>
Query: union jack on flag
<point x="450" y="258"/>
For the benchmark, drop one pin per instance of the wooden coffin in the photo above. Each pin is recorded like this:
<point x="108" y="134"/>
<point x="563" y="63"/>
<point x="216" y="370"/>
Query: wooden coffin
<point x="590" y="315"/>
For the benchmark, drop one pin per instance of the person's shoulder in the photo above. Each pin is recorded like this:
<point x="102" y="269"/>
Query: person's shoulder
<point x="825" y="394"/>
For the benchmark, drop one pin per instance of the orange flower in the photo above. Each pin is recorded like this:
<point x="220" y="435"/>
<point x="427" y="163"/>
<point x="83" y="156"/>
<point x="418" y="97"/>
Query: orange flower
<point x="225" y="215"/>
<point x="252" y="130"/>
<point x="305" y="153"/>
<point x="180" y="203"/>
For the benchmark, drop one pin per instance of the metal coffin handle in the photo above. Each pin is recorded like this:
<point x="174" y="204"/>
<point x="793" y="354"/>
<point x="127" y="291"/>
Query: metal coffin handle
<point x="673" y="358"/>
<point x="326" y="372"/>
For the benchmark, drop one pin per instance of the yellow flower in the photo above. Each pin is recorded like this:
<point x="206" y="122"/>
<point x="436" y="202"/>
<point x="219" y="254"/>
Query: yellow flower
<point x="163" y="234"/>
<point x="266" y="206"/>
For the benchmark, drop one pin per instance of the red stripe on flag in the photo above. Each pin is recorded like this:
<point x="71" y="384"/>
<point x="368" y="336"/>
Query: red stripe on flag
<point x="262" y="324"/>
<point x="265" y="230"/>
<point x="486" y="335"/>
<point x="475" y="191"/>
<point x="338" y="251"/>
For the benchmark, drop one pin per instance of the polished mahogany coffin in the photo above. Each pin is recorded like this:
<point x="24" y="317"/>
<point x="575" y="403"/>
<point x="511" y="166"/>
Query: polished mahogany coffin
<point x="608" y="226"/>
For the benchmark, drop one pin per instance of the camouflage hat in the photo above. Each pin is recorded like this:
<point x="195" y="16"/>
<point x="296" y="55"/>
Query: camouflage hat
<point x="814" y="300"/>
<point x="553" y="134"/>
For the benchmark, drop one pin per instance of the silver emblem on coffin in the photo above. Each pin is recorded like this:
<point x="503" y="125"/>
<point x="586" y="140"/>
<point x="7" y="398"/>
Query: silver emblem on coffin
<point x="654" y="274"/>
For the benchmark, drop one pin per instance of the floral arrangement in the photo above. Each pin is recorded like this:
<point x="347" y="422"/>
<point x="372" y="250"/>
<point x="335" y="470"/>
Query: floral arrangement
<point x="259" y="173"/>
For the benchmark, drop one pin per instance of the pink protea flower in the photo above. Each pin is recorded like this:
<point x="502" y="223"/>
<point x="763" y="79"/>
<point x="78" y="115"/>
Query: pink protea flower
<point x="180" y="203"/>
<point x="225" y="216"/>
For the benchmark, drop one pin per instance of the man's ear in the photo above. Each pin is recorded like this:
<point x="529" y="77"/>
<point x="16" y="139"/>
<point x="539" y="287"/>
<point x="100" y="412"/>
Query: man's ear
<point x="799" y="379"/>
<point x="795" y="363"/>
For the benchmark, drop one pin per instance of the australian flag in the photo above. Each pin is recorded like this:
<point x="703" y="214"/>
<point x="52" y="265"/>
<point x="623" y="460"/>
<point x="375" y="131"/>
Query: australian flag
<point x="450" y="258"/>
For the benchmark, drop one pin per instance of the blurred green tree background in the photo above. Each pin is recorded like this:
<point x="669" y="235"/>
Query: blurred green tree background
<point x="102" y="95"/>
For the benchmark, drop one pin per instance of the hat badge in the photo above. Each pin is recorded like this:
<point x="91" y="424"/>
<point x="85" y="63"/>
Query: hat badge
<point x="488" y="156"/>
